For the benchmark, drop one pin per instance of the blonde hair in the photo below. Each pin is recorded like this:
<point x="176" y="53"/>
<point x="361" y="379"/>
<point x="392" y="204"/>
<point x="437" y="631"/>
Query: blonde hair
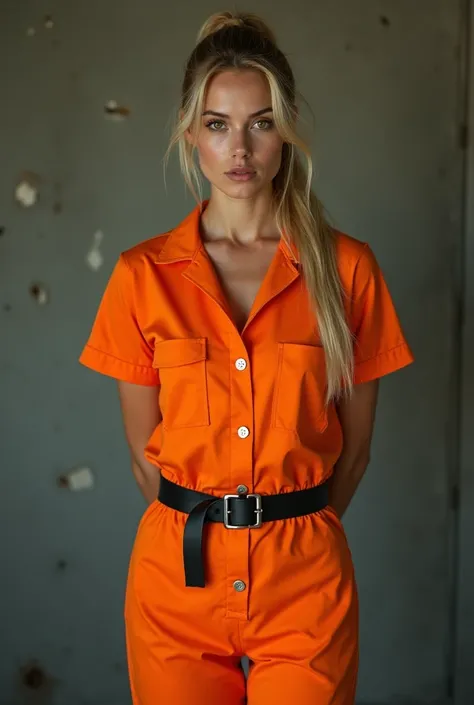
<point x="234" y="41"/>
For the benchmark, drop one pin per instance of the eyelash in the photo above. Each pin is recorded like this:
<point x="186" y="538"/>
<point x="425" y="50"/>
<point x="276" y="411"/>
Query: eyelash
<point x="268" y="122"/>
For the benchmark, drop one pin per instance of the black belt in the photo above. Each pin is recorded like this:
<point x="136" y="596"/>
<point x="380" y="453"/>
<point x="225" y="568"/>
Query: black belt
<point x="235" y="512"/>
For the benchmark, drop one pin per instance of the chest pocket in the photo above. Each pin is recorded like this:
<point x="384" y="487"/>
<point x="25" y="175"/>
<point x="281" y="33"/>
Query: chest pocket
<point x="300" y="389"/>
<point x="181" y="364"/>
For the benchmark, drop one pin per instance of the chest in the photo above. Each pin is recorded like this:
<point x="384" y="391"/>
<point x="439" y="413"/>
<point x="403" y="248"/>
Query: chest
<point x="240" y="273"/>
<point x="270" y="361"/>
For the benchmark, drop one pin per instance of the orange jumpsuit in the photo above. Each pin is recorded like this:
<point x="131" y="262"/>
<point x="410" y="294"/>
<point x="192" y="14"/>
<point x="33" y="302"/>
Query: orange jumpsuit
<point x="241" y="413"/>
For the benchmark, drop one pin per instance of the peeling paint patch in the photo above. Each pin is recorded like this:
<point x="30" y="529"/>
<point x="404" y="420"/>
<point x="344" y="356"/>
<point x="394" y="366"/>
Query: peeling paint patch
<point x="49" y="22"/>
<point x="77" y="480"/>
<point x="40" y="293"/>
<point x="30" y="32"/>
<point x="94" y="257"/>
<point x="34" y="678"/>
<point x="27" y="190"/>
<point x="115" y="111"/>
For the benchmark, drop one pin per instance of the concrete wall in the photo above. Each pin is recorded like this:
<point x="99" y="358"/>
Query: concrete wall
<point x="385" y="81"/>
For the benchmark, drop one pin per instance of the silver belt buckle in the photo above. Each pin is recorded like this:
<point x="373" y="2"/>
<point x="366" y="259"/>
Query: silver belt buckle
<point x="258" y="511"/>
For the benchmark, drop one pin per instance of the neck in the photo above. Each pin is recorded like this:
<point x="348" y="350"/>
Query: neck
<point x="242" y="220"/>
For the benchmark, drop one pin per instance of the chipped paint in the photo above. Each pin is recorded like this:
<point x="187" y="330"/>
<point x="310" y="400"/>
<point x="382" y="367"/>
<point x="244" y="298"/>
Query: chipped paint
<point x="40" y="293"/>
<point x="94" y="257"/>
<point x="115" y="111"/>
<point x="77" y="480"/>
<point x="49" y="22"/>
<point x="30" y="32"/>
<point x="27" y="190"/>
<point x="35" y="679"/>
<point x="26" y="194"/>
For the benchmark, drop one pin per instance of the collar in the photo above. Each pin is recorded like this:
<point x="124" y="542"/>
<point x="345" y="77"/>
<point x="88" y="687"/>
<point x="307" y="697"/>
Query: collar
<point x="184" y="241"/>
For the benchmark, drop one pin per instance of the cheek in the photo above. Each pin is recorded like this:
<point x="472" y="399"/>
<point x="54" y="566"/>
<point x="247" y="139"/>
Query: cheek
<point x="211" y="153"/>
<point x="269" y="154"/>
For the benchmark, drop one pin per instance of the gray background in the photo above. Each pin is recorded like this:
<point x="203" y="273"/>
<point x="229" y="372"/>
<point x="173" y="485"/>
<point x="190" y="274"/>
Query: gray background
<point x="388" y="86"/>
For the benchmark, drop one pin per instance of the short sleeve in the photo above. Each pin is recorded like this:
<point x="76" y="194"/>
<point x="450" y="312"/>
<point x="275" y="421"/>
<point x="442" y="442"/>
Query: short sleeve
<point x="116" y="345"/>
<point x="379" y="345"/>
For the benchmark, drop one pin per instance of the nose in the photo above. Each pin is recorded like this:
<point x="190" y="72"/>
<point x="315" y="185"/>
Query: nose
<point x="240" y="144"/>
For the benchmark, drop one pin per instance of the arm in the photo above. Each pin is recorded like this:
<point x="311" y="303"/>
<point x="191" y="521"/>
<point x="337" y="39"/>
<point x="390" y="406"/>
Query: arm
<point x="141" y="414"/>
<point x="357" y="415"/>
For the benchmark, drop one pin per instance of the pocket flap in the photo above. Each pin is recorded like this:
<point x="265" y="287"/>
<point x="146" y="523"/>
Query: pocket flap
<point x="302" y="352"/>
<point x="180" y="351"/>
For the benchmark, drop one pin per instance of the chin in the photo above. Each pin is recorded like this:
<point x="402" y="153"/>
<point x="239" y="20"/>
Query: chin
<point x="243" y="190"/>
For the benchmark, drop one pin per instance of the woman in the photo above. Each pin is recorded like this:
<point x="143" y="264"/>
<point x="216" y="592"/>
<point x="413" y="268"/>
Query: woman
<point x="247" y="343"/>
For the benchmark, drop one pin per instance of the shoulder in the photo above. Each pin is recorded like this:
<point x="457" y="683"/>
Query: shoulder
<point x="349" y="249"/>
<point x="355" y="260"/>
<point x="145" y="252"/>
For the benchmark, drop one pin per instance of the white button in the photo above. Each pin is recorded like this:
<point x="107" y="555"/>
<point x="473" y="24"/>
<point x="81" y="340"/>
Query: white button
<point x="241" y="364"/>
<point x="242" y="489"/>
<point x="243" y="432"/>
<point x="239" y="585"/>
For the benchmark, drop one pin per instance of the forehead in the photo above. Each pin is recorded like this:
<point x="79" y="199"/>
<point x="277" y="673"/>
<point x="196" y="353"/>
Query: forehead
<point x="237" y="91"/>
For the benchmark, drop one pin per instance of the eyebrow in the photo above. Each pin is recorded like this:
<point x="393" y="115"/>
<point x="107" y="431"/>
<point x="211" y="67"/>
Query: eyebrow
<point x="224" y="115"/>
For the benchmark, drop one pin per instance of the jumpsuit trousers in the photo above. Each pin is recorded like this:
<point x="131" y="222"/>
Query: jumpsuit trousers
<point x="296" y="620"/>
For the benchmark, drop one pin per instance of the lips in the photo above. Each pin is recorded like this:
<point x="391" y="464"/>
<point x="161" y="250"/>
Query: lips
<point x="242" y="170"/>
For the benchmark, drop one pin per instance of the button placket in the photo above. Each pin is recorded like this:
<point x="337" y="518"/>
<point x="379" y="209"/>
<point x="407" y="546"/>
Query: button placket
<point x="240" y="477"/>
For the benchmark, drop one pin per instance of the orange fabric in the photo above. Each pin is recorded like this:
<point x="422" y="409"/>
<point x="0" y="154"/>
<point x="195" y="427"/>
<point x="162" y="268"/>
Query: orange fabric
<point x="164" y="320"/>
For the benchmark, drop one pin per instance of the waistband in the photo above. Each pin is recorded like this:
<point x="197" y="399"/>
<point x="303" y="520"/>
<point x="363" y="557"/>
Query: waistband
<point x="235" y="511"/>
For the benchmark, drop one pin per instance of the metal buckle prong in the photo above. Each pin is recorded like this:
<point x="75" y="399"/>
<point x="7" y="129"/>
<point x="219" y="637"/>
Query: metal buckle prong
<point x="258" y="511"/>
